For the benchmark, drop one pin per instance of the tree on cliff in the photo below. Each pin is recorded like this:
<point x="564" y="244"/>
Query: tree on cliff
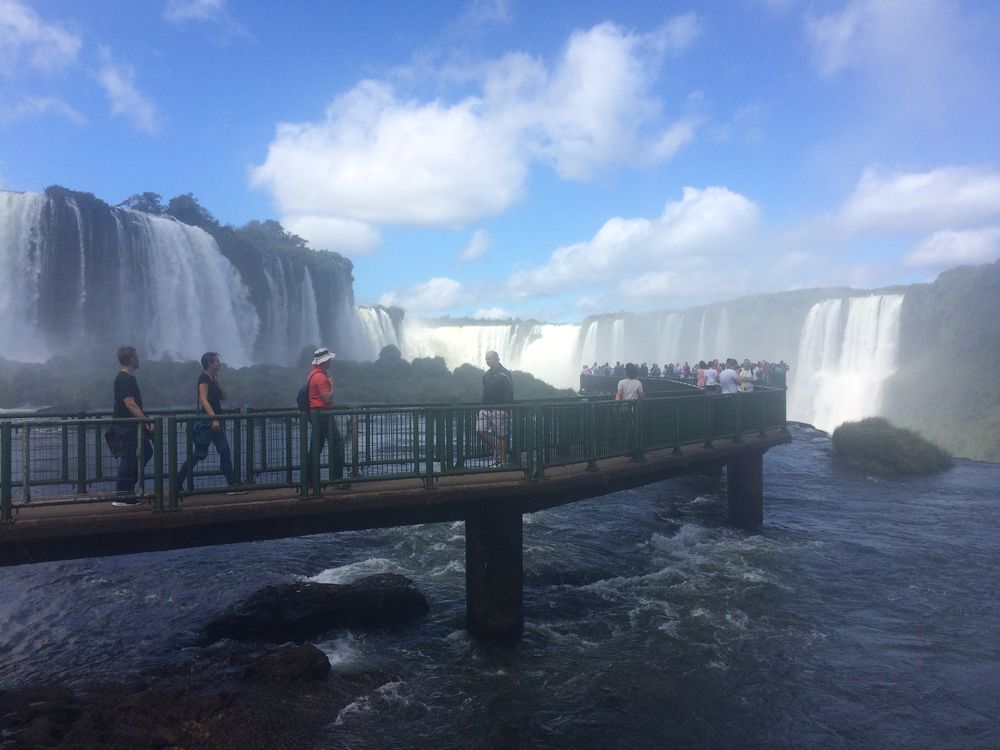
<point x="186" y="208"/>
<point x="150" y="203"/>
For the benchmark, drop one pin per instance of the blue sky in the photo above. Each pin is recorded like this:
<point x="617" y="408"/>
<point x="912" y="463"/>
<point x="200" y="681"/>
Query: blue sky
<point x="542" y="159"/>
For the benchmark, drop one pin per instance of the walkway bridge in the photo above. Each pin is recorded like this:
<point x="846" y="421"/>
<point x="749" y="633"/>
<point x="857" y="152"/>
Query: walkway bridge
<point x="404" y="465"/>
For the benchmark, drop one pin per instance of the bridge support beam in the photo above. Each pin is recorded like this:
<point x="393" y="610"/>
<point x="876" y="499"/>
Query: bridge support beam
<point x="745" y="489"/>
<point x="494" y="586"/>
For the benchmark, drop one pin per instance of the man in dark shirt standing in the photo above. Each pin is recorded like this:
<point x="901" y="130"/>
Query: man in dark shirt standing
<point x="493" y="425"/>
<point x="128" y="405"/>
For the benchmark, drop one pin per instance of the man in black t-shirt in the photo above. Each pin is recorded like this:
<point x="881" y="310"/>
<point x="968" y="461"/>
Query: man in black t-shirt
<point x="493" y="425"/>
<point x="128" y="405"/>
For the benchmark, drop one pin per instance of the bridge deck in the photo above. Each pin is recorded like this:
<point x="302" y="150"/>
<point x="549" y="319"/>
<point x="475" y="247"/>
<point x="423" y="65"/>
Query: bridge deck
<point x="75" y="531"/>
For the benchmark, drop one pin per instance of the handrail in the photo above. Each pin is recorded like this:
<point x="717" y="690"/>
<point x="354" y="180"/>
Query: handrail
<point x="56" y="460"/>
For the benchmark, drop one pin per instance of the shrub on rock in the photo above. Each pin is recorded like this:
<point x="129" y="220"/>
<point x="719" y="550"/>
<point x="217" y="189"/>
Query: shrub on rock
<point x="875" y="445"/>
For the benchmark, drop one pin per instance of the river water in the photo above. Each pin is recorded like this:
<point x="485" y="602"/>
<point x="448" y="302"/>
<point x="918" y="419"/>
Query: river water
<point x="864" y="615"/>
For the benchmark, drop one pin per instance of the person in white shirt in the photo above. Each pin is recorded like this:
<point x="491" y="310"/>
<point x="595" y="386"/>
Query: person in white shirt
<point x="629" y="387"/>
<point x="712" y="377"/>
<point x="729" y="380"/>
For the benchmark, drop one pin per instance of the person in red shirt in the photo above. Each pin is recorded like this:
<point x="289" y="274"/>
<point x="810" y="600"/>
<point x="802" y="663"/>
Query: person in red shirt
<point x="321" y="400"/>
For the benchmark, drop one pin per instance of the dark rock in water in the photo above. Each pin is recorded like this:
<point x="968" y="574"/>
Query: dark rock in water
<point x="231" y="696"/>
<point x="302" y="663"/>
<point x="296" y="611"/>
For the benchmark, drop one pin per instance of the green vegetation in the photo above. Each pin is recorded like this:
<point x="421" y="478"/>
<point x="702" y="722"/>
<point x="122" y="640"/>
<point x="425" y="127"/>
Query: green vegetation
<point x="67" y="384"/>
<point x="948" y="357"/>
<point x="875" y="445"/>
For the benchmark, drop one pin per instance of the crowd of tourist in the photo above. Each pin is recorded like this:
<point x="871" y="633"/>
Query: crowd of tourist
<point x="721" y="376"/>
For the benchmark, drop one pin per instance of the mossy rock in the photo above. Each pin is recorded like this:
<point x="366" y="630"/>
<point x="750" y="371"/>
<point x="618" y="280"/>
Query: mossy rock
<point x="876" y="446"/>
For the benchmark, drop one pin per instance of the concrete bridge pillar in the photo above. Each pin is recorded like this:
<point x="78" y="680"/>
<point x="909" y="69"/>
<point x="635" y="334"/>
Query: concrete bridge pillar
<point x="494" y="586"/>
<point x="745" y="489"/>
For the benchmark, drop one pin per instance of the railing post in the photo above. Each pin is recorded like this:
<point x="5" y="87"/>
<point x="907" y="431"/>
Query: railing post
<point x="710" y="410"/>
<point x="172" y="484"/>
<point x="740" y="406"/>
<point x="6" y="477"/>
<point x="639" y="431"/>
<point x="26" y="463"/>
<point x="536" y="417"/>
<point x="314" y="454"/>
<point x="140" y="464"/>
<point x="305" y="459"/>
<point x="158" y="464"/>
<point x="352" y="426"/>
<point x="590" y="419"/>
<point x="289" y="469"/>
<point x="416" y="441"/>
<point x="677" y="429"/>
<point x="238" y="444"/>
<point x="430" y="427"/>
<point x="64" y="434"/>
<point x="81" y="454"/>
<point x="251" y="443"/>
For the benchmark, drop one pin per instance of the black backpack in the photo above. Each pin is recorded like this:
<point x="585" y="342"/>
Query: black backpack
<point x="302" y="397"/>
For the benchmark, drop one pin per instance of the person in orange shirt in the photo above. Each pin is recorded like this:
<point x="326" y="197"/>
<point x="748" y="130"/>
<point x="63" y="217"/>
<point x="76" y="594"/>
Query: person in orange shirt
<point x="321" y="400"/>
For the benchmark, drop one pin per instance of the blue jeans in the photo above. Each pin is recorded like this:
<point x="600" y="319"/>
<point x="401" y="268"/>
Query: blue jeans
<point x="128" y="474"/>
<point x="203" y="437"/>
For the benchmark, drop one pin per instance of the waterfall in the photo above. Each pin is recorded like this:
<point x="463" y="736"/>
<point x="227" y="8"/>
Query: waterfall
<point x="378" y="330"/>
<point x="20" y="238"/>
<point x="844" y="360"/>
<point x="81" y="276"/>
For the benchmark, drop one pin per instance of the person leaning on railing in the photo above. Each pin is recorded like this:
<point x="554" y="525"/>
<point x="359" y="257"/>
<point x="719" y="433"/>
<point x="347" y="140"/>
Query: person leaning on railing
<point x="128" y="405"/>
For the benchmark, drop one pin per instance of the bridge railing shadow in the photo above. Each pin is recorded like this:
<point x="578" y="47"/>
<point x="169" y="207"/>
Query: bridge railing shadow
<point x="62" y="459"/>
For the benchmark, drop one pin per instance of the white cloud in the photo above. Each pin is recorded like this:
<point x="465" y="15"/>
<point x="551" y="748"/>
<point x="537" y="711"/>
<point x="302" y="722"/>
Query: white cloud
<point x="204" y="11"/>
<point x="945" y="198"/>
<point x="331" y="233"/>
<point x="701" y="229"/>
<point x="952" y="248"/>
<point x="486" y="13"/>
<point x="34" y="106"/>
<point x="380" y="158"/>
<point x="477" y="248"/>
<point x="916" y="55"/>
<point x="436" y="294"/>
<point x="118" y="82"/>
<point x="27" y="40"/>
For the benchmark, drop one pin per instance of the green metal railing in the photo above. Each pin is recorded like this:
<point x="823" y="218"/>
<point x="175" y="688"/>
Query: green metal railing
<point x="63" y="458"/>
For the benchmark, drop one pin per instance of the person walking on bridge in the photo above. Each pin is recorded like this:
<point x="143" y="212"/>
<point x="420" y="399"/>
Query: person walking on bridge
<point x="320" y="386"/>
<point x="493" y="425"/>
<point x="128" y="405"/>
<point x="208" y="429"/>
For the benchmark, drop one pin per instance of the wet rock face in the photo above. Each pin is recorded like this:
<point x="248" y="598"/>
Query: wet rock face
<point x="231" y="696"/>
<point x="297" y="611"/>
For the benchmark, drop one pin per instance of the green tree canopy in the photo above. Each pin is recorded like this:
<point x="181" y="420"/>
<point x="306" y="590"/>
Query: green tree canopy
<point x="150" y="203"/>
<point x="186" y="208"/>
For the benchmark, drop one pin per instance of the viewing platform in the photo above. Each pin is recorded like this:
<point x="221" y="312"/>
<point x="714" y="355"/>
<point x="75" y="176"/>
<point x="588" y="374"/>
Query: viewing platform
<point x="404" y="465"/>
